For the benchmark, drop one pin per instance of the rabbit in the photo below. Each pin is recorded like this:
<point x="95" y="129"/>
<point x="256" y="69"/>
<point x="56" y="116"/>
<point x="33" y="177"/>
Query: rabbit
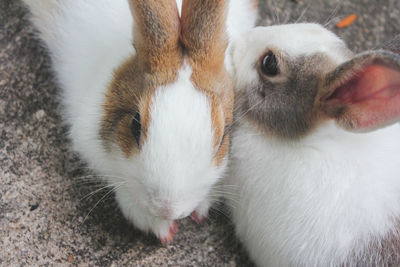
<point x="147" y="97"/>
<point x="314" y="175"/>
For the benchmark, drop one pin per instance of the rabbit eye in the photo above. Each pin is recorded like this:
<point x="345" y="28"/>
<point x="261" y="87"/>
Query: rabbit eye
<point x="221" y="141"/>
<point x="269" y="65"/>
<point x="136" y="127"/>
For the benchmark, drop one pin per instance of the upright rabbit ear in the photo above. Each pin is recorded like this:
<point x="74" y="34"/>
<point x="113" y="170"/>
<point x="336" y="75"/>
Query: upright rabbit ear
<point x="203" y="31"/>
<point x="364" y="93"/>
<point x="156" y="32"/>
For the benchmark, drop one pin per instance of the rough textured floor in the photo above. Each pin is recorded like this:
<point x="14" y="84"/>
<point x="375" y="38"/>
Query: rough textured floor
<point x="44" y="217"/>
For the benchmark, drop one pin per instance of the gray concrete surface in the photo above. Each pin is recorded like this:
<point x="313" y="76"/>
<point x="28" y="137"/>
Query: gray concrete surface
<point x="42" y="209"/>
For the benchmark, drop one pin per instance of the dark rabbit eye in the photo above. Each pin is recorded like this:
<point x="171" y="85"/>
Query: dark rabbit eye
<point x="222" y="141"/>
<point x="136" y="127"/>
<point x="269" y="65"/>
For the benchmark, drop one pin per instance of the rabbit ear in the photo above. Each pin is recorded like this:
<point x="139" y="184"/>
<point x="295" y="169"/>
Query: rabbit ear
<point x="156" y="32"/>
<point x="203" y="30"/>
<point x="364" y="93"/>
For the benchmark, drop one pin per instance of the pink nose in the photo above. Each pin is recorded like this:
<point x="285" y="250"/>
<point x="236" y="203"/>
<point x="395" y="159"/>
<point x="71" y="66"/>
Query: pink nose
<point x="167" y="213"/>
<point x="167" y="210"/>
<point x="162" y="208"/>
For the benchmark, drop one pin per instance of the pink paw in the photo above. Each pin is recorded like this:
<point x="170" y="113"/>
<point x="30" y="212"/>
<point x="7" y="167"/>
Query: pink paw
<point x="197" y="218"/>
<point x="173" y="229"/>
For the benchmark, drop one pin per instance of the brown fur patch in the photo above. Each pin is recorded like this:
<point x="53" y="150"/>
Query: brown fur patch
<point x="131" y="91"/>
<point x="203" y="32"/>
<point x="221" y="117"/>
<point x="156" y="33"/>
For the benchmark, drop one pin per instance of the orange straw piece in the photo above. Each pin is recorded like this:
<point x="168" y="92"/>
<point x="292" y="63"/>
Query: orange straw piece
<point x="347" y="21"/>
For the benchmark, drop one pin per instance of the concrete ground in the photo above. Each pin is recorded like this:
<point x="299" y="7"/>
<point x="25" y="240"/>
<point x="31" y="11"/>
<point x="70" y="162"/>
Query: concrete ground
<point x="44" y="217"/>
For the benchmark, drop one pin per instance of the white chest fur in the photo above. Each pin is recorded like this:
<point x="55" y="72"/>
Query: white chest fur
<point x="318" y="201"/>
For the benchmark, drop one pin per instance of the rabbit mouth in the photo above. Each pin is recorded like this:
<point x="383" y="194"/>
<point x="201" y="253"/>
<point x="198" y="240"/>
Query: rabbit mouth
<point x="167" y="213"/>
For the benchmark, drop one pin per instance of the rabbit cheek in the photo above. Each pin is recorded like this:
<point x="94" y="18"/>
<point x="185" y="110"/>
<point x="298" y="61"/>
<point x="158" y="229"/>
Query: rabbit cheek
<point x="279" y="109"/>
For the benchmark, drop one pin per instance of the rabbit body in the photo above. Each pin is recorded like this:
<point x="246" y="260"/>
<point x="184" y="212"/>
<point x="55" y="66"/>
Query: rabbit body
<point x="306" y="190"/>
<point x="89" y="42"/>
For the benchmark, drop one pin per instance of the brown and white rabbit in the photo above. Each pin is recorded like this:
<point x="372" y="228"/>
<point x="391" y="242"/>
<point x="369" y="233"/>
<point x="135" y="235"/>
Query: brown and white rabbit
<point x="315" y="149"/>
<point x="150" y="117"/>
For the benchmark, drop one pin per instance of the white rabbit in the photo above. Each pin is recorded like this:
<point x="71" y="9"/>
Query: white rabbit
<point x="150" y="117"/>
<point x="315" y="166"/>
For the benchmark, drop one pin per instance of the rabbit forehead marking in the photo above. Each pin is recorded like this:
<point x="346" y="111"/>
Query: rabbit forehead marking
<point x="180" y="135"/>
<point x="131" y="91"/>
<point x="287" y="108"/>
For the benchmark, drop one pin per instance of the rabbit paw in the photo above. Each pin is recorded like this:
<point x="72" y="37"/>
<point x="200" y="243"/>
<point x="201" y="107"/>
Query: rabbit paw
<point x="201" y="212"/>
<point x="197" y="218"/>
<point x="144" y="221"/>
<point x="166" y="231"/>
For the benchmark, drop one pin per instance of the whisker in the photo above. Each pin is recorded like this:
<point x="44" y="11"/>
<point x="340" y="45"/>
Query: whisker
<point x="287" y="18"/>
<point x="93" y="183"/>
<point x="97" y="203"/>
<point x="332" y="15"/>
<point x="238" y="119"/>
<point x="302" y="13"/>
<point x="222" y="191"/>
<point x="98" y="190"/>
<point x="221" y="212"/>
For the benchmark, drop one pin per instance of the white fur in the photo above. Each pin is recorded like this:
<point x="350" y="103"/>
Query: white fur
<point x="317" y="201"/>
<point x="175" y="171"/>
<point x="314" y="202"/>
<point x="241" y="17"/>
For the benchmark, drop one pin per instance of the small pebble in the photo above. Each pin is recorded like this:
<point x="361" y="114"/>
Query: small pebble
<point x="40" y="114"/>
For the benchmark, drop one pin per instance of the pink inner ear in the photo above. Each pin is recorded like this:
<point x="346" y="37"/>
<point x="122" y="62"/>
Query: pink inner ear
<point x="371" y="98"/>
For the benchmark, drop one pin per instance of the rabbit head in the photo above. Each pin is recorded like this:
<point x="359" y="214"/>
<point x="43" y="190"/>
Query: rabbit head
<point x="289" y="84"/>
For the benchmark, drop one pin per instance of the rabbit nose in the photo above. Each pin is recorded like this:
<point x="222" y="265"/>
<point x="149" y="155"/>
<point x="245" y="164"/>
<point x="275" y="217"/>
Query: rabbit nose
<point x="167" y="209"/>
<point x="162" y="209"/>
<point x="165" y="213"/>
